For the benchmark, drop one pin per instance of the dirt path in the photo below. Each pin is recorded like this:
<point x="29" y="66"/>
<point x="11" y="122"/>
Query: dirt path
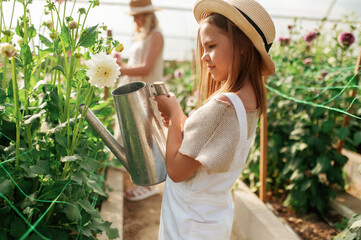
<point x="141" y="218"/>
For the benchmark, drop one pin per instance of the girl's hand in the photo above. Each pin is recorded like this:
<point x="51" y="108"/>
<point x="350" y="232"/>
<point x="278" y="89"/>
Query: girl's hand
<point x="165" y="120"/>
<point x="169" y="107"/>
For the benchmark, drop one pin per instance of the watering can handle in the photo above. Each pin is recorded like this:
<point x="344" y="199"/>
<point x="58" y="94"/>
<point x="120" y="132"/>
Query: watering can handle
<point x="159" y="88"/>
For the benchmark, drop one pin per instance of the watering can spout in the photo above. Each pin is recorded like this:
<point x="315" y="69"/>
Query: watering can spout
<point x="143" y="140"/>
<point x="105" y="135"/>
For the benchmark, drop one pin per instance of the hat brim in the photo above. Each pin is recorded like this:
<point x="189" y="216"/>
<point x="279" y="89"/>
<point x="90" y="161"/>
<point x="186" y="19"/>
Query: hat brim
<point x="204" y="8"/>
<point x="141" y="11"/>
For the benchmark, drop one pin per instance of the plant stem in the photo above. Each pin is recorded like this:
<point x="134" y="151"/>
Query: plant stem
<point x="64" y="10"/>
<point x="1" y="18"/>
<point x="12" y="15"/>
<point x="81" y="122"/>
<point x="17" y="110"/>
<point x="72" y="9"/>
<point x="67" y="100"/>
<point x="86" y="15"/>
<point x="4" y="72"/>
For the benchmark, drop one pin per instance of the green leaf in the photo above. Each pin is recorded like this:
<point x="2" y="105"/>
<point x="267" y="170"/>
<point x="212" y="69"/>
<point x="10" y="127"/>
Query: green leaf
<point x="45" y="40"/>
<point x="318" y="112"/>
<point x="357" y="138"/>
<point x="25" y="55"/>
<point x="85" y="204"/>
<point x="297" y="175"/>
<point x="31" y="32"/>
<point x="323" y="163"/>
<point x="306" y="185"/>
<point x="72" y="213"/>
<point x="41" y="168"/>
<point x="5" y="186"/>
<point x="2" y="96"/>
<point x="60" y="68"/>
<point x="44" y="52"/>
<point x="79" y="177"/>
<point x="70" y="158"/>
<point x="356" y="225"/>
<point x="18" y="63"/>
<point x="94" y="185"/>
<point x="112" y="233"/>
<point x="32" y="118"/>
<point x="19" y="30"/>
<point x="17" y="228"/>
<point x="343" y="133"/>
<point x="52" y="191"/>
<point x="327" y="126"/>
<point x="91" y="164"/>
<point x="60" y="139"/>
<point x="88" y="37"/>
<point x="65" y="36"/>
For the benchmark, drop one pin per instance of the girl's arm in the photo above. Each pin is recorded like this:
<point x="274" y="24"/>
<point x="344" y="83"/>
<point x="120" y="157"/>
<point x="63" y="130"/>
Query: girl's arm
<point x="156" y="46"/>
<point x="179" y="167"/>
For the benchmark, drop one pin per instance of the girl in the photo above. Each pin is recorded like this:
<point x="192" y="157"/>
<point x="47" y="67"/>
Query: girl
<point x="145" y="64"/>
<point x="205" y="158"/>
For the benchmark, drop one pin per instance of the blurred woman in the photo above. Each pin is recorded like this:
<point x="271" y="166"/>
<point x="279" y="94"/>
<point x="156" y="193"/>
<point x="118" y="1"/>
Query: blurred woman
<point x="145" y="64"/>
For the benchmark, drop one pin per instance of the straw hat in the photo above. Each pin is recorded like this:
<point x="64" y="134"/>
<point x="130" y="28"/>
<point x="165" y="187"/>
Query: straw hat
<point x="141" y="6"/>
<point x="250" y="17"/>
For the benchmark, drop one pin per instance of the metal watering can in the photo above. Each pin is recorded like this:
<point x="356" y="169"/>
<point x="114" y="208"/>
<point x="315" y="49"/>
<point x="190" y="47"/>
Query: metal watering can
<point x="142" y="152"/>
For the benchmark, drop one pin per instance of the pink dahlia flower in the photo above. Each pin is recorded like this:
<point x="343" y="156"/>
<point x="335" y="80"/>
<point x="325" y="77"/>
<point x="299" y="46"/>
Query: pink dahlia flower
<point x="346" y="39"/>
<point x="284" y="41"/>
<point x="308" y="61"/>
<point x="310" y="36"/>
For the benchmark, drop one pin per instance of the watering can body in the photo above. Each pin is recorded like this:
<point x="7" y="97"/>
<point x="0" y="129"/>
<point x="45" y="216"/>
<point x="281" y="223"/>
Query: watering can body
<point x="142" y="150"/>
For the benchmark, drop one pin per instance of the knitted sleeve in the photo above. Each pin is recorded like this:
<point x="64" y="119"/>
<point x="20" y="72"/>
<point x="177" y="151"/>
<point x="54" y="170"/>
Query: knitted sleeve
<point x="211" y="135"/>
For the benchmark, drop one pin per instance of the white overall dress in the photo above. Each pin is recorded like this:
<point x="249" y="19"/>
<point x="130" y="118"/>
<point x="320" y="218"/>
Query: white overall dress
<point x="202" y="208"/>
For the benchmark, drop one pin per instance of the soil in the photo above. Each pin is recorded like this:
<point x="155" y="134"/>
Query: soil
<point x="141" y="219"/>
<point x="308" y="226"/>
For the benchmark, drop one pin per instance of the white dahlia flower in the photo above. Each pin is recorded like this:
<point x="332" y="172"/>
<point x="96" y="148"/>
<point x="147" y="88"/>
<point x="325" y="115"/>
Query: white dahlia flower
<point x="103" y="70"/>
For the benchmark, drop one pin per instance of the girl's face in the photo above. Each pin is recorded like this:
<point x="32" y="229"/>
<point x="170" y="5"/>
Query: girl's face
<point x="139" y="20"/>
<point x="217" y="51"/>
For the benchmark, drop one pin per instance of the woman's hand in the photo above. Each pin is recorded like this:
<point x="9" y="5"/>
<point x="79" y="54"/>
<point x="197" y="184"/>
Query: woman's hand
<point x="119" y="59"/>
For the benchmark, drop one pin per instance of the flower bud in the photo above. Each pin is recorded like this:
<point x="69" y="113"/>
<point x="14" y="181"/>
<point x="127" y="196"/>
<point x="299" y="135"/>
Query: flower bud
<point x="78" y="55"/>
<point x="53" y="36"/>
<point x="81" y="10"/>
<point x="119" y="48"/>
<point x="346" y="39"/>
<point x="96" y="3"/>
<point x="73" y="24"/>
<point x="49" y="24"/>
<point x="7" y="49"/>
<point x="7" y="33"/>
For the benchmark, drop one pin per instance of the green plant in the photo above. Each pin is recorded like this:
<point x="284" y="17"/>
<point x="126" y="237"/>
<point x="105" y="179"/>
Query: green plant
<point x="52" y="166"/>
<point x="307" y="96"/>
<point x="353" y="230"/>
<point x="180" y="79"/>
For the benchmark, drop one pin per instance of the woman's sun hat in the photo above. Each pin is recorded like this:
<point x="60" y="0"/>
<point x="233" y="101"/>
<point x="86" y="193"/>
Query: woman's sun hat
<point x="141" y="6"/>
<point x="250" y="17"/>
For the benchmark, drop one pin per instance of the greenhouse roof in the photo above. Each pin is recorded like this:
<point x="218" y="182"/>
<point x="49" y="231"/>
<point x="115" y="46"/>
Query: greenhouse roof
<point x="179" y="27"/>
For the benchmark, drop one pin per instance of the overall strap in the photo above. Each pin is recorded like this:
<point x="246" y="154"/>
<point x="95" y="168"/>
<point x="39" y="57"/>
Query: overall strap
<point x="241" y="114"/>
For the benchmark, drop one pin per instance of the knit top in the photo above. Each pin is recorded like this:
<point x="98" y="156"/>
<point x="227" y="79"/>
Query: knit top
<point x="210" y="134"/>
<point x="137" y="55"/>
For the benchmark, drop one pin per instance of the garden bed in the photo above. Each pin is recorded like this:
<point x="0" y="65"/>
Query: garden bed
<point x="307" y="226"/>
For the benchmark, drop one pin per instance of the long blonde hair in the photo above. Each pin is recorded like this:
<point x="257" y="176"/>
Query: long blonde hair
<point x="150" y="23"/>
<point x="246" y="64"/>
